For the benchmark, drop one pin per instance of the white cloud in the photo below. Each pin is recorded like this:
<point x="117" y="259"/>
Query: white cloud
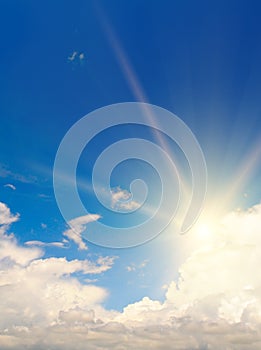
<point x="121" y="200"/>
<point x="77" y="316"/>
<point x="45" y="244"/>
<point x="10" y="186"/>
<point x="7" y="173"/>
<point x="60" y="266"/>
<point x="6" y="218"/>
<point x="78" y="226"/>
<point x="73" y="56"/>
<point x="11" y="253"/>
<point x="76" y="57"/>
<point x="215" y="304"/>
<point x="44" y="196"/>
<point x="39" y="293"/>
<point x="81" y="56"/>
<point x="134" y="267"/>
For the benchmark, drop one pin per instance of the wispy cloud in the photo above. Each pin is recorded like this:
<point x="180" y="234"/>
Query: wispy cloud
<point x="7" y="173"/>
<point x="77" y="227"/>
<point x="134" y="267"/>
<point x="73" y="56"/>
<point x="10" y="186"/>
<point x="46" y="244"/>
<point x="76" y="57"/>
<point x="44" y="196"/>
<point x="81" y="56"/>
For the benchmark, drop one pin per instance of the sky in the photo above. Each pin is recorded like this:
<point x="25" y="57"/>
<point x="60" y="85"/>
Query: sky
<point x="195" y="61"/>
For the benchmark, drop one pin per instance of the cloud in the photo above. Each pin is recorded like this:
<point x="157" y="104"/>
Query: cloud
<point x="121" y="200"/>
<point x="6" y="218"/>
<point x="78" y="226"/>
<point x="81" y="56"/>
<point x="7" y="173"/>
<point x="10" y="186"/>
<point x="11" y="253"/>
<point x="45" y="244"/>
<point x="72" y="57"/>
<point x="76" y="57"/>
<point x="44" y="196"/>
<point x="134" y="267"/>
<point x="215" y="304"/>
<point x="38" y="293"/>
<point x="77" y="316"/>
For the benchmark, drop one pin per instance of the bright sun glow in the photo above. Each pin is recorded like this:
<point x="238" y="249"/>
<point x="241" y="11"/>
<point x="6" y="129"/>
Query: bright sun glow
<point x="204" y="231"/>
<point x="206" y="227"/>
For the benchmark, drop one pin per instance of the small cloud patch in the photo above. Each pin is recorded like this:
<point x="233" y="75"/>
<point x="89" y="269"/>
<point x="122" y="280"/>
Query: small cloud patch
<point x="10" y="186"/>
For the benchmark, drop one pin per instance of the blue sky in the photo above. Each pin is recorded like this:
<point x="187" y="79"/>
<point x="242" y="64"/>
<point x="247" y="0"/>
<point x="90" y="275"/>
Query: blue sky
<point x="62" y="60"/>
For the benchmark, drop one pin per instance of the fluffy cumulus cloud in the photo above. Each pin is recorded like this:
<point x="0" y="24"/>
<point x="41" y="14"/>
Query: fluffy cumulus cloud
<point x="38" y="293"/>
<point x="6" y="218"/>
<point x="215" y="304"/>
<point x="121" y="200"/>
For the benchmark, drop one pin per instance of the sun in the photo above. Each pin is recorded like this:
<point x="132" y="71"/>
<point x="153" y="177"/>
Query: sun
<point x="204" y="230"/>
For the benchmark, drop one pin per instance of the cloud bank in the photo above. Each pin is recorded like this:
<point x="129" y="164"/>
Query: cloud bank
<point x="215" y="304"/>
